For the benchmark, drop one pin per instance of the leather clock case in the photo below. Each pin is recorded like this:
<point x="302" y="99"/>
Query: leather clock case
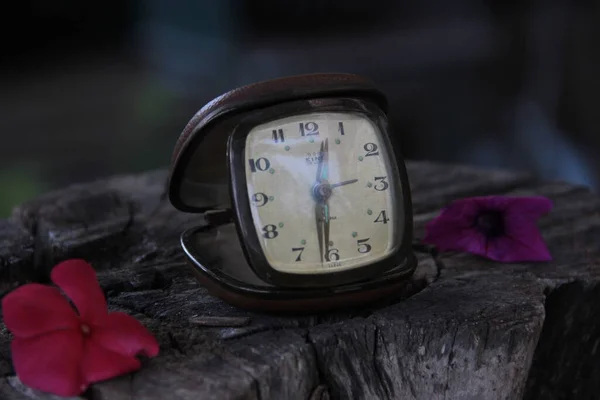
<point x="259" y="95"/>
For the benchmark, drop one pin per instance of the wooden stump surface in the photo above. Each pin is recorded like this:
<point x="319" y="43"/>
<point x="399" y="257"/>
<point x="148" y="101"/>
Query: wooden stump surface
<point x="482" y="330"/>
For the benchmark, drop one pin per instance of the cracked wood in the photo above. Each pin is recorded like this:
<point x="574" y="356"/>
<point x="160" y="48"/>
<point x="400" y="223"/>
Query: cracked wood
<point x="482" y="330"/>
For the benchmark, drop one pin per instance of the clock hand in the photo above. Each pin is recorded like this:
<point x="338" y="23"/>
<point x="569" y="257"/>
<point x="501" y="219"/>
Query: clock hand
<point x="320" y="220"/>
<point x="321" y="161"/>
<point x="326" y="229"/>
<point x="321" y="193"/>
<point x="323" y="170"/>
<point x="323" y="180"/>
<point x="334" y="185"/>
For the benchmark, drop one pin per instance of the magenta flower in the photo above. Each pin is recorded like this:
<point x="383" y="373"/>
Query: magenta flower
<point x="497" y="227"/>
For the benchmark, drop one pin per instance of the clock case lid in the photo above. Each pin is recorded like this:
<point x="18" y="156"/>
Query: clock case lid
<point x="247" y="98"/>
<point x="216" y="260"/>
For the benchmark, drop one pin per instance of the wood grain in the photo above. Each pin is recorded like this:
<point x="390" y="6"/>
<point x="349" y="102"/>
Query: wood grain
<point x="483" y="330"/>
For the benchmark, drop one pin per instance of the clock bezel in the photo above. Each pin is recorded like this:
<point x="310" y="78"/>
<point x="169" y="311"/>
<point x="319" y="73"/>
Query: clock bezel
<point x="242" y="208"/>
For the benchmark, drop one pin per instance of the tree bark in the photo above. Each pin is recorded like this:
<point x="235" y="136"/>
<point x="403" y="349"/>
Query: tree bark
<point x="481" y="330"/>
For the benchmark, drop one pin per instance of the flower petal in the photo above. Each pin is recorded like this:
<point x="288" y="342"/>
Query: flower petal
<point x="125" y="335"/>
<point x="522" y="242"/>
<point x="34" y="309"/>
<point x="78" y="280"/>
<point x="494" y="203"/>
<point x="99" y="364"/>
<point x="508" y="249"/>
<point x="529" y="208"/>
<point x="468" y="240"/>
<point x="458" y="214"/>
<point x="532" y="206"/>
<point x="453" y="228"/>
<point x="51" y="362"/>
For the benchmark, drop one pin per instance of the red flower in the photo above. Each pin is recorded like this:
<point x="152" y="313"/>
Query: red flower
<point x="497" y="227"/>
<point x="60" y="351"/>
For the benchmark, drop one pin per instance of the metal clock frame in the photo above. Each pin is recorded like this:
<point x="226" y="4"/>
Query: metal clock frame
<point x="401" y="256"/>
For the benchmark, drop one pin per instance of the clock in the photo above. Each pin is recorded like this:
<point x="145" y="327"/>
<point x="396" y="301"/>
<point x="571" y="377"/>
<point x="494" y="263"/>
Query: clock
<point x="304" y="191"/>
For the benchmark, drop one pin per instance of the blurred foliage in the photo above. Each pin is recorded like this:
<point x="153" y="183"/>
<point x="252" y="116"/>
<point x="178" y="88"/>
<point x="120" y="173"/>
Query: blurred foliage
<point x="151" y="103"/>
<point x="155" y="116"/>
<point x="108" y="90"/>
<point x="20" y="182"/>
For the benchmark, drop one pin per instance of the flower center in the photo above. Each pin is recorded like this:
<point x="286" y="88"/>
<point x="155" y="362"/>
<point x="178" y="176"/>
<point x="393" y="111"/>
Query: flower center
<point x="85" y="329"/>
<point x="490" y="223"/>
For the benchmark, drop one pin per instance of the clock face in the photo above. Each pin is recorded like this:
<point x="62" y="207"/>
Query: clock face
<point x="323" y="193"/>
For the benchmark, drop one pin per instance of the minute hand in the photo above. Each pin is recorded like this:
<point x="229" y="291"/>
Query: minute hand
<point x="321" y="197"/>
<point x="323" y="169"/>
<point x="324" y="178"/>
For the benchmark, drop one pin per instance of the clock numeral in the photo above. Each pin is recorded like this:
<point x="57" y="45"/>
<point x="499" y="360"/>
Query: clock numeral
<point x="382" y="217"/>
<point x="270" y="231"/>
<point x="371" y="149"/>
<point x="332" y="255"/>
<point x="309" y="129"/>
<point x="300" y="250"/>
<point x="341" y="128"/>
<point x="260" y="164"/>
<point x="363" y="246"/>
<point x="260" y="199"/>
<point x="278" y="136"/>
<point x="382" y="185"/>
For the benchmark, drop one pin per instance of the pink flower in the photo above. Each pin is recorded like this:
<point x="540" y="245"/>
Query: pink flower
<point x="60" y="351"/>
<point x="497" y="227"/>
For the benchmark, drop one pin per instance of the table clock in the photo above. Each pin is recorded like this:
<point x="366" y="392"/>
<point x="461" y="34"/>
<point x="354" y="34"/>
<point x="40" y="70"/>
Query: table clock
<point x="304" y="191"/>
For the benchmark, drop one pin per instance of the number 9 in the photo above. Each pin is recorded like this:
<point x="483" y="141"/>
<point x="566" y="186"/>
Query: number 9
<point x="260" y="199"/>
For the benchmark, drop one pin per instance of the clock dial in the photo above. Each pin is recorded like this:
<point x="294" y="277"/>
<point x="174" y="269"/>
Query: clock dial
<point x="322" y="192"/>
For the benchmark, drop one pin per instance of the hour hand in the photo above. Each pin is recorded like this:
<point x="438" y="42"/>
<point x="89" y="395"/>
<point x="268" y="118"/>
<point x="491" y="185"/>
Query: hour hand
<point x="334" y="185"/>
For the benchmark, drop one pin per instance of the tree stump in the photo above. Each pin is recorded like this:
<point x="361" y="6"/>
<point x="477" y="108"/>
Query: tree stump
<point x="479" y="330"/>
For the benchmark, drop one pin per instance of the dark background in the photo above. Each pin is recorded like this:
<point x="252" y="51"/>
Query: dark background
<point x="91" y="89"/>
